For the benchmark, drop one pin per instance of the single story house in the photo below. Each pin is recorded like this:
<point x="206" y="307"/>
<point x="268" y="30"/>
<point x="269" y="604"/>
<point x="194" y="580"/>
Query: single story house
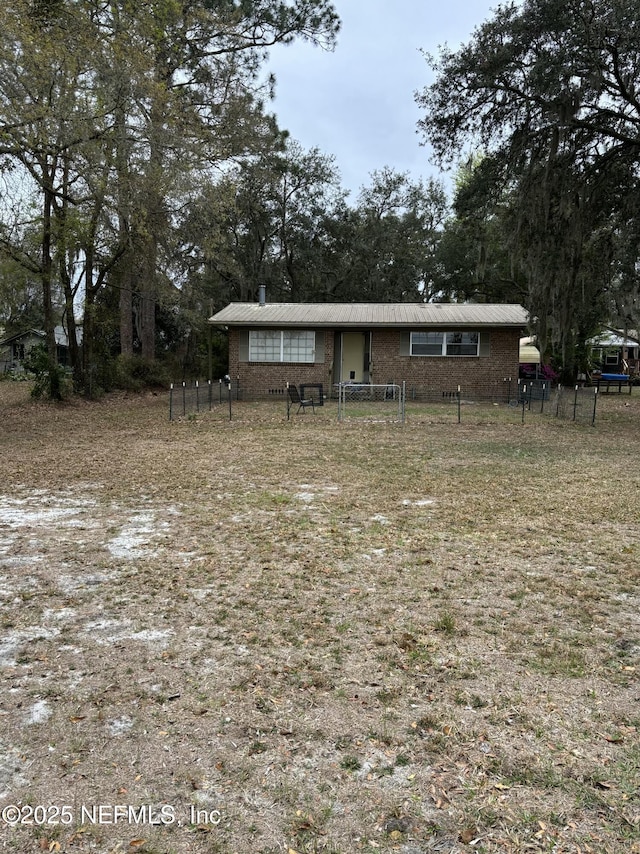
<point x="616" y="352"/>
<point x="14" y="349"/>
<point x="434" y="346"/>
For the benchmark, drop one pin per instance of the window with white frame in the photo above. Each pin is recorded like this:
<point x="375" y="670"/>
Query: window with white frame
<point x="445" y="343"/>
<point x="289" y="345"/>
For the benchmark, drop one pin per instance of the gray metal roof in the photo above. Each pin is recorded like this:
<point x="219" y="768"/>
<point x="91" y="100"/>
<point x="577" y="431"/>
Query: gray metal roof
<point x="59" y="333"/>
<point x="368" y="315"/>
<point x="615" y="339"/>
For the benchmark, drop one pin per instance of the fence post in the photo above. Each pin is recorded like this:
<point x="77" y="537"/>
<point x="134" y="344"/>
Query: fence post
<point x="544" y="391"/>
<point x="524" y="399"/>
<point x="171" y="402"/>
<point x="575" y="402"/>
<point x="197" y="397"/>
<point x="210" y="396"/>
<point x="403" y="392"/>
<point x="184" y="398"/>
<point x="595" y="400"/>
<point x="458" y="396"/>
<point x="558" y="401"/>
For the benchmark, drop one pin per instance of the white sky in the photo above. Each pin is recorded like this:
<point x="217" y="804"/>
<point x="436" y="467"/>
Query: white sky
<point x="357" y="103"/>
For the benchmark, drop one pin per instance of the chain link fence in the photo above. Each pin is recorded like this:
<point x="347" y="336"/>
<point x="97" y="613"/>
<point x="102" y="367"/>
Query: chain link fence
<point x="371" y="402"/>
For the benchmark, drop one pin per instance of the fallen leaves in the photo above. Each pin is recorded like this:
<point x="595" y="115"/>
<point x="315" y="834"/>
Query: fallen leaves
<point x="615" y="738"/>
<point x="324" y="642"/>
<point x="468" y="835"/>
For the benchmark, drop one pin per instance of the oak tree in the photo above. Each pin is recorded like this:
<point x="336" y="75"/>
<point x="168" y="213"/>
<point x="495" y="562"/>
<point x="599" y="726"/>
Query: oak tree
<point x="547" y="91"/>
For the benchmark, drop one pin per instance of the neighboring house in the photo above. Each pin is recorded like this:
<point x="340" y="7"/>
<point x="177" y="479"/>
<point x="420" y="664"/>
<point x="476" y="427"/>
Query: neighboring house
<point x="14" y="349"/>
<point x="616" y="352"/>
<point x="434" y="346"/>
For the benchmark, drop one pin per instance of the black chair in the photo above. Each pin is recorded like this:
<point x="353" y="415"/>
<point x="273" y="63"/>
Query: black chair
<point x="295" y="399"/>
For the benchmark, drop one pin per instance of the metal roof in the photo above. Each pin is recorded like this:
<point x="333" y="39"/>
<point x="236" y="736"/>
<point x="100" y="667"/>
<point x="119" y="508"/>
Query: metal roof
<point x="59" y="333"/>
<point x="615" y="339"/>
<point x="25" y="334"/>
<point x="370" y="315"/>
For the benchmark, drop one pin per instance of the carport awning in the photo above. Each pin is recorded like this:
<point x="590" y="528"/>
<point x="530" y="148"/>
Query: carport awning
<point x="529" y="353"/>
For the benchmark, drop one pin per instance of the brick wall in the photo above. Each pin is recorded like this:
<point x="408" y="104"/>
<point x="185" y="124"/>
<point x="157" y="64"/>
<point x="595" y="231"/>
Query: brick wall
<point x="260" y="379"/>
<point x="477" y="376"/>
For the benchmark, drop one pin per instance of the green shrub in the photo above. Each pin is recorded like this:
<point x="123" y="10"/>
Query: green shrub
<point x="135" y="373"/>
<point x="50" y="379"/>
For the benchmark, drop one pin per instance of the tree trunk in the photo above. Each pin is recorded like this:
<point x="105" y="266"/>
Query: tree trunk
<point x="62" y="252"/>
<point x="55" y="391"/>
<point x="148" y="305"/>
<point x="123" y="273"/>
<point x="126" y="307"/>
<point x="46" y="275"/>
<point x="88" y="367"/>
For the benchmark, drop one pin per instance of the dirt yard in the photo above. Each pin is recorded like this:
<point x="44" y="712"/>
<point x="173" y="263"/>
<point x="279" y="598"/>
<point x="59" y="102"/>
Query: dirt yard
<point x="263" y="635"/>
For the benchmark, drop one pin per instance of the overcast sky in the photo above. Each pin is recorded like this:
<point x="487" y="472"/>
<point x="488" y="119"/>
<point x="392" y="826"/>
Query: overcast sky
<point x="357" y="103"/>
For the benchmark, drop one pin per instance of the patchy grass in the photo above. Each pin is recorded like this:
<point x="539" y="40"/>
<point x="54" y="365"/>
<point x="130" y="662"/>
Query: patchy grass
<point x="316" y="636"/>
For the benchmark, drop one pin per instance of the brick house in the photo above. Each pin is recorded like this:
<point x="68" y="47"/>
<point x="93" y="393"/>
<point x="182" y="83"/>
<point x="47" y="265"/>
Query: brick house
<point x="430" y="346"/>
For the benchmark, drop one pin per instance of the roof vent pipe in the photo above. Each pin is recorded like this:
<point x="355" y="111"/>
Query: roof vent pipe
<point x="262" y="294"/>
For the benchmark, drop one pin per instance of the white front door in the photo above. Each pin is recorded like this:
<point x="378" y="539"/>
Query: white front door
<point x="355" y="357"/>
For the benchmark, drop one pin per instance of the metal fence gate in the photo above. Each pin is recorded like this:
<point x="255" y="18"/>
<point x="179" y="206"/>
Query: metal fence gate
<point x="369" y="402"/>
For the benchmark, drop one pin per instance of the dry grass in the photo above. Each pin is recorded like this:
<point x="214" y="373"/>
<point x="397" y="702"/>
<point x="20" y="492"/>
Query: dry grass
<point x="329" y="637"/>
